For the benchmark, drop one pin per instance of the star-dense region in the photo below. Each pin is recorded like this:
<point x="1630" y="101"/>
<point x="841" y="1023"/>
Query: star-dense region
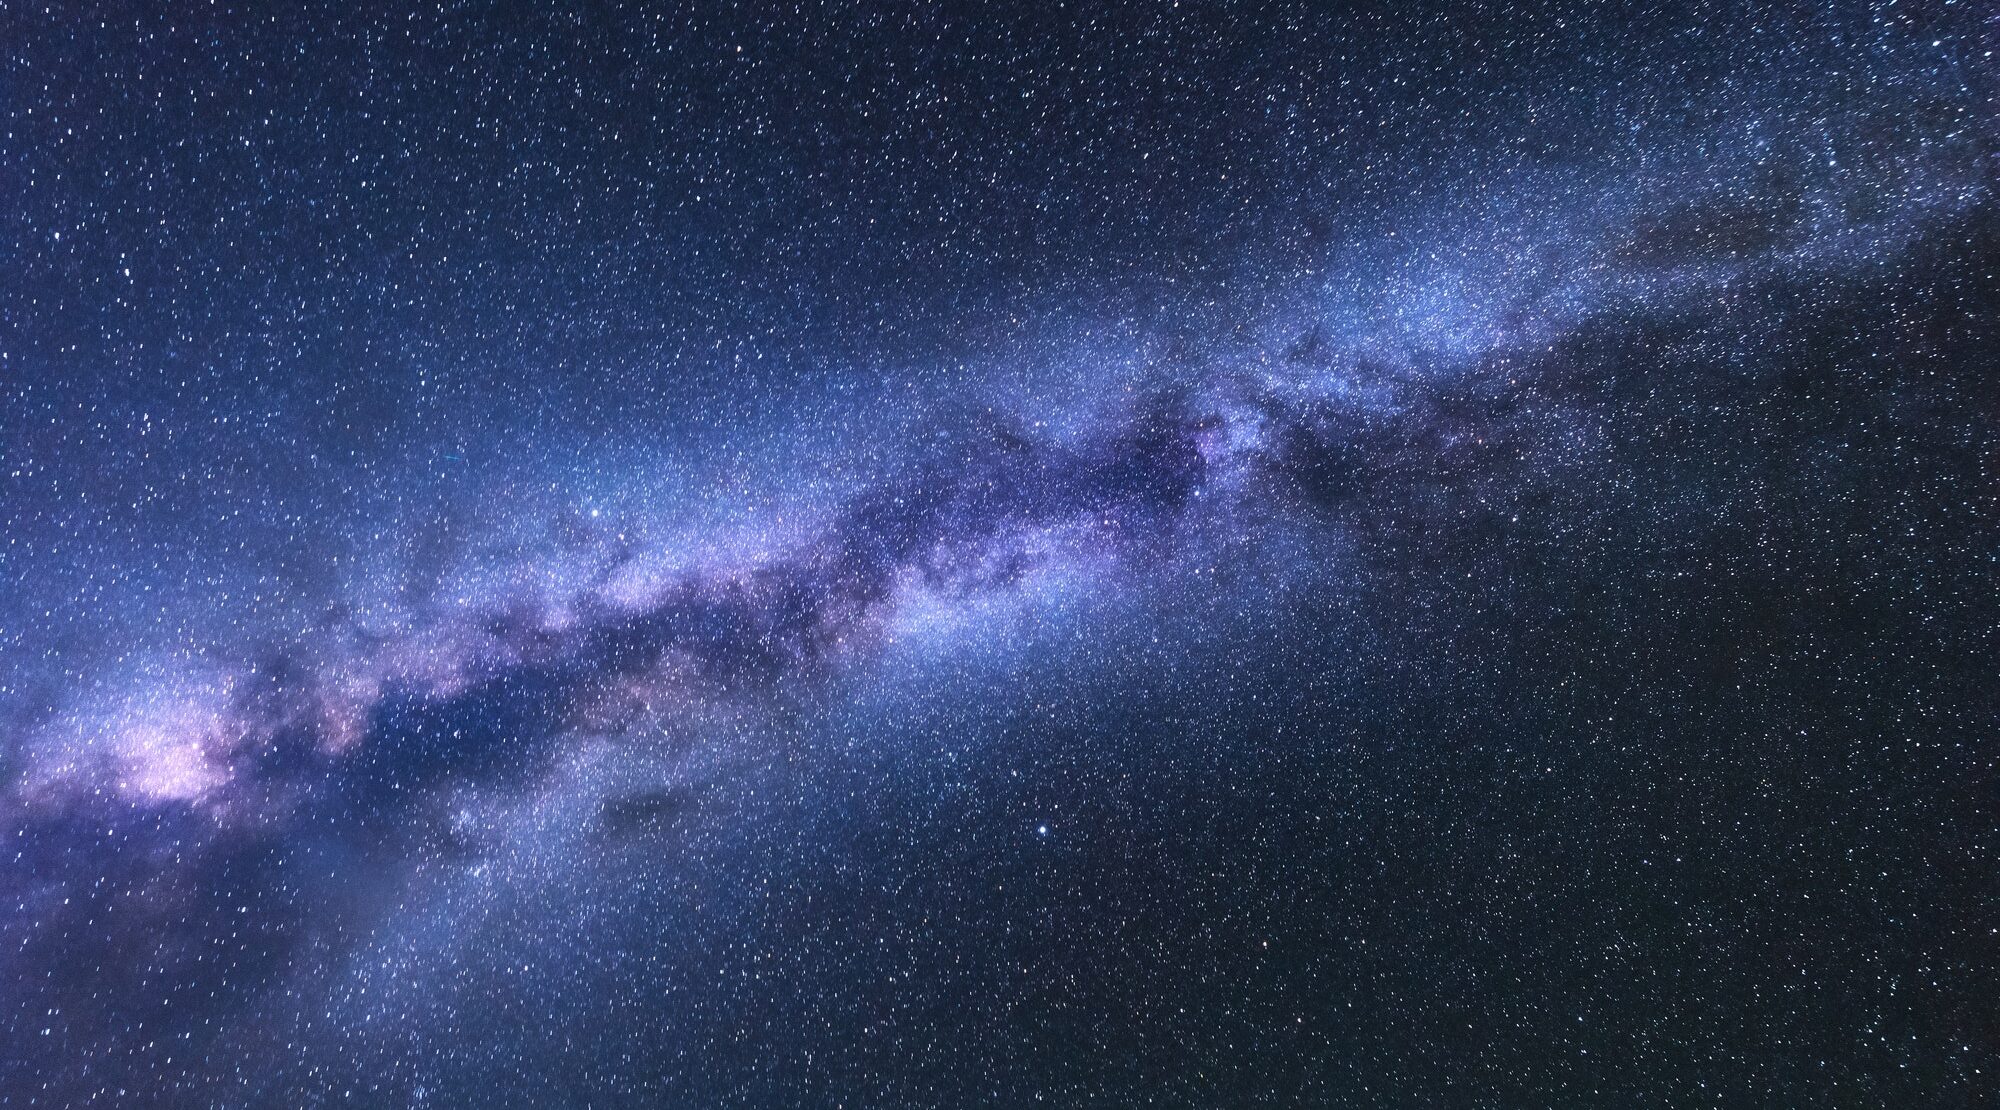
<point x="1019" y="555"/>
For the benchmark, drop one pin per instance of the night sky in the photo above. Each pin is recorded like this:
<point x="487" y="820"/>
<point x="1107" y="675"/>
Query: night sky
<point x="999" y="555"/>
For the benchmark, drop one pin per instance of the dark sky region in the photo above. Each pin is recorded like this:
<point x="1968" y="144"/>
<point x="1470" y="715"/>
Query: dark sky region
<point x="999" y="555"/>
